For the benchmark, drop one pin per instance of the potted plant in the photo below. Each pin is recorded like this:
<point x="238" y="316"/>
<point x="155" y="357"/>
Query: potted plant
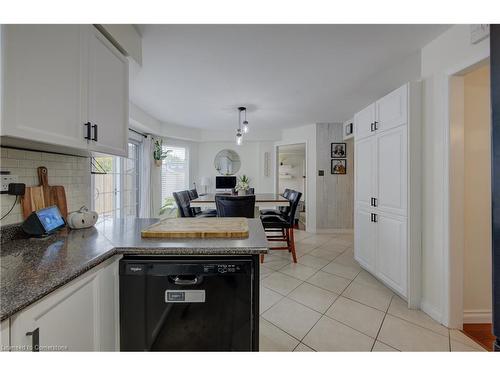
<point x="158" y="154"/>
<point x="242" y="185"/>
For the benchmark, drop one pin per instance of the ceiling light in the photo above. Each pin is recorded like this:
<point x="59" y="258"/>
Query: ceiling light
<point x="242" y="126"/>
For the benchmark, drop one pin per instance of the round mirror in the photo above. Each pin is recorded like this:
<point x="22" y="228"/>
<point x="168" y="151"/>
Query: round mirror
<point x="227" y="162"/>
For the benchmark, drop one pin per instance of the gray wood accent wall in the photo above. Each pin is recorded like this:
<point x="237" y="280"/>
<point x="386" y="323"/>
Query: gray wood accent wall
<point x="334" y="193"/>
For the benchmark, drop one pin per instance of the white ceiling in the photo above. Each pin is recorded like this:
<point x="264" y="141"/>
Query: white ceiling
<point x="286" y="75"/>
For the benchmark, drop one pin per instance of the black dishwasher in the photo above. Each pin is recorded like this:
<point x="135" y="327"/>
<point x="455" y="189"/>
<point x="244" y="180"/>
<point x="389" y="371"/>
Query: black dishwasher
<point x="188" y="304"/>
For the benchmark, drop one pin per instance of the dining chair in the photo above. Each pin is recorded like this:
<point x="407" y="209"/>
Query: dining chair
<point x="280" y="228"/>
<point x="235" y="206"/>
<point x="183" y="200"/>
<point x="282" y="210"/>
<point x="197" y="211"/>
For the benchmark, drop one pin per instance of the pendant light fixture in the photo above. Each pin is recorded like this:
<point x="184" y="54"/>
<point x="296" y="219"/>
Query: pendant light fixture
<point x="242" y="127"/>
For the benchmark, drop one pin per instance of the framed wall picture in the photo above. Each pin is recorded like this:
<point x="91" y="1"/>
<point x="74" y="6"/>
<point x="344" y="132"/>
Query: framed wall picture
<point x="339" y="166"/>
<point x="338" y="150"/>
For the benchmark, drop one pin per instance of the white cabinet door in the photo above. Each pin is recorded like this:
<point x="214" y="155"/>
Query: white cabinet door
<point x="364" y="238"/>
<point x="5" y="335"/>
<point x="363" y="122"/>
<point x="392" y="167"/>
<point x="365" y="170"/>
<point x="81" y="316"/>
<point x="44" y="67"/>
<point x="66" y="320"/>
<point x="108" y="96"/>
<point x="392" y="109"/>
<point x="392" y="252"/>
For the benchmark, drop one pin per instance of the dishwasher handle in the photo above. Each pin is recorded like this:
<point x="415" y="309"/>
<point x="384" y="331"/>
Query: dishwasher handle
<point x="177" y="280"/>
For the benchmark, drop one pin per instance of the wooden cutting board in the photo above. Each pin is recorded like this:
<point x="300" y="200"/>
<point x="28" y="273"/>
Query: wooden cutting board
<point x="38" y="197"/>
<point x="210" y="227"/>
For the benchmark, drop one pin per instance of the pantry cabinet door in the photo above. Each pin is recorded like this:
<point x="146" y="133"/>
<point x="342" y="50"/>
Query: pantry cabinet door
<point x="364" y="239"/>
<point x="363" y="122"/>
<point x="392" y="177"/>
<point x="392" y="109"/>
<point x="44" y="70"/>
<point x="392" y="246"/>
<point x="365" y="170"/>
<point x="108" y="96"/>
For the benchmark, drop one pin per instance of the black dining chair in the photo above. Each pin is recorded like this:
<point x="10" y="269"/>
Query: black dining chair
<point x="235" y="206"/>
<point x="282" y="210"/>
<point x="197" y="211"/>
<point x="280" y="228"/>
<point x="183" y="201"/>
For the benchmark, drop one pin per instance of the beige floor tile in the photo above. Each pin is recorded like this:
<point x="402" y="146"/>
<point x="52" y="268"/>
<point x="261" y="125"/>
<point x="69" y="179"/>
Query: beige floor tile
<point x="366" y="278"/>
<point x="339" y="269"/>
<point x="292" y="317"/>
<point x="318" y="239"/>
<point x="457" y="346"/>
<point x="460" y="338"/>
<point x="346" y="258"/>
<point x="303" y="248"/>
<point x="268" y="298"/>
<point x="303" y="348"/>
<point x="325" y="280"/>
<point x="273" y="339"/>
<point x="316" y="298"/>
<point x="275" y="263"/>
<point x="356" y="315"/>
<point x="374" y="297"/>
<point x="325" y="254"/>
<point x="406" y="336"/>
<point x="280" y="254"/>
<point x="330" y="335"/>
<point x="400" y="309"/>
<point x="298" y="271"/>
<point x="264" y="272"/>
<point x="334" y="246"/>
<point x="301" y="234"/>
<point x="281" y="283"/>
<point x="312" y="261"/>
<point x="381" y="347"/>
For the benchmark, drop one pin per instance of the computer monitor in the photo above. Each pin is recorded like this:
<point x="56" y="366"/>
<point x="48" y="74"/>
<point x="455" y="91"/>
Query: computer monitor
<point x="225" y="182"/>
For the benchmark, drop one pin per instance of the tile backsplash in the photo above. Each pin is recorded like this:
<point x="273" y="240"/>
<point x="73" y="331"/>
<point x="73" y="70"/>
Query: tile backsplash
<point x="72" y="172"/>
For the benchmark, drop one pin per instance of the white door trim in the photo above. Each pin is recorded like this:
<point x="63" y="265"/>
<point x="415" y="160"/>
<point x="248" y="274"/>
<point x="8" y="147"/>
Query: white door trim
<point x="452" y="314"/>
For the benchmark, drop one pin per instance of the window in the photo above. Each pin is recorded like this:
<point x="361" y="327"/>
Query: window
<point x="116" y="193"/>
<point x="174" y="177"/>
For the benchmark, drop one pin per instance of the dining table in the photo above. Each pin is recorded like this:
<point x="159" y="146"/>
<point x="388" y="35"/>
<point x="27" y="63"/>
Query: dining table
<point x="262" y="200"/>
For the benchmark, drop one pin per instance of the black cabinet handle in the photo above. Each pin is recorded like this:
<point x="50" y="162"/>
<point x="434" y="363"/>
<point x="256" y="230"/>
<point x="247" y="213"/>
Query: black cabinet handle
<point x="87" y="124"/>
<point x="374" y="202"/>
<point x="374" y="218"/>
<point x="35" y="340"/>
<point x="375" y="125"/>
<point x="94" y="138"/>
<point x="371" y="126"/>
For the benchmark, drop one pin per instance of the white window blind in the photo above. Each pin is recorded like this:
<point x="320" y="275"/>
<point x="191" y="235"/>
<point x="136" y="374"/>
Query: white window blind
<point x="174" y="172"/>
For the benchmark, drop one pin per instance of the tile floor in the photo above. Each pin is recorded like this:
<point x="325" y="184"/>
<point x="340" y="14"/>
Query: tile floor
<point x="326" y="302"/>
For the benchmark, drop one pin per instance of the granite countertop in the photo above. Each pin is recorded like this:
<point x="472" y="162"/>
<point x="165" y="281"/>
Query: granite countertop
<point x="32" y="268"/>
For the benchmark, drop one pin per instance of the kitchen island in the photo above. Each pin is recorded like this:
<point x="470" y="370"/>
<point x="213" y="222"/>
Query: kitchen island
<point x="35" y="269"/>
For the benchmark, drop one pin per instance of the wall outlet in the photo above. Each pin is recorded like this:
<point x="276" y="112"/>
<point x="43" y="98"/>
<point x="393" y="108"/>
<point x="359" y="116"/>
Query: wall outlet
<point x="5" y="181"/>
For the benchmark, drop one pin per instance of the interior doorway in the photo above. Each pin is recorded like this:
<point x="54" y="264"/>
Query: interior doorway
<point x="292" y="175"/>
<point x="470" y="200"/>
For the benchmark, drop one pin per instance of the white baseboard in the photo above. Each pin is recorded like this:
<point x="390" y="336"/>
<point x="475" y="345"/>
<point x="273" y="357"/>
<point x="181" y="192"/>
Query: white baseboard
<point x="335" y="231"/>
<point x="477" y="316"/>
<point x="430" y="310"/>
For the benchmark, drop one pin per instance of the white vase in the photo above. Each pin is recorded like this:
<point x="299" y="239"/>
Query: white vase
<point x="242" y="192"/>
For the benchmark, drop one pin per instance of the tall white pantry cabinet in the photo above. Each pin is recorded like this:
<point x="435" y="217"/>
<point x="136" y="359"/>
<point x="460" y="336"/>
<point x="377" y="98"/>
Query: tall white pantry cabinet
<point x="388" y="190"/>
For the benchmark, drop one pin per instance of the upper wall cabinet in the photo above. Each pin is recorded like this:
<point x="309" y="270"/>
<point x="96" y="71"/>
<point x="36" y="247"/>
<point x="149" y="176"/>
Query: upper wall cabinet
<point x="64" y="86"/>
<point x="364" y="122"/>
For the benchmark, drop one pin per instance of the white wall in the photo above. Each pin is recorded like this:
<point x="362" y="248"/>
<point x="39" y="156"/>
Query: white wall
<point x="447" y="54"/>
<point x="477" y="197"/>
<point x="252" y="163"/>
<point x="305" y="134"/>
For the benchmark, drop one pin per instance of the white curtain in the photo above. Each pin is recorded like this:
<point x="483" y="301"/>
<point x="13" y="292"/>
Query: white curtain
<point x="146" y="206"/>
